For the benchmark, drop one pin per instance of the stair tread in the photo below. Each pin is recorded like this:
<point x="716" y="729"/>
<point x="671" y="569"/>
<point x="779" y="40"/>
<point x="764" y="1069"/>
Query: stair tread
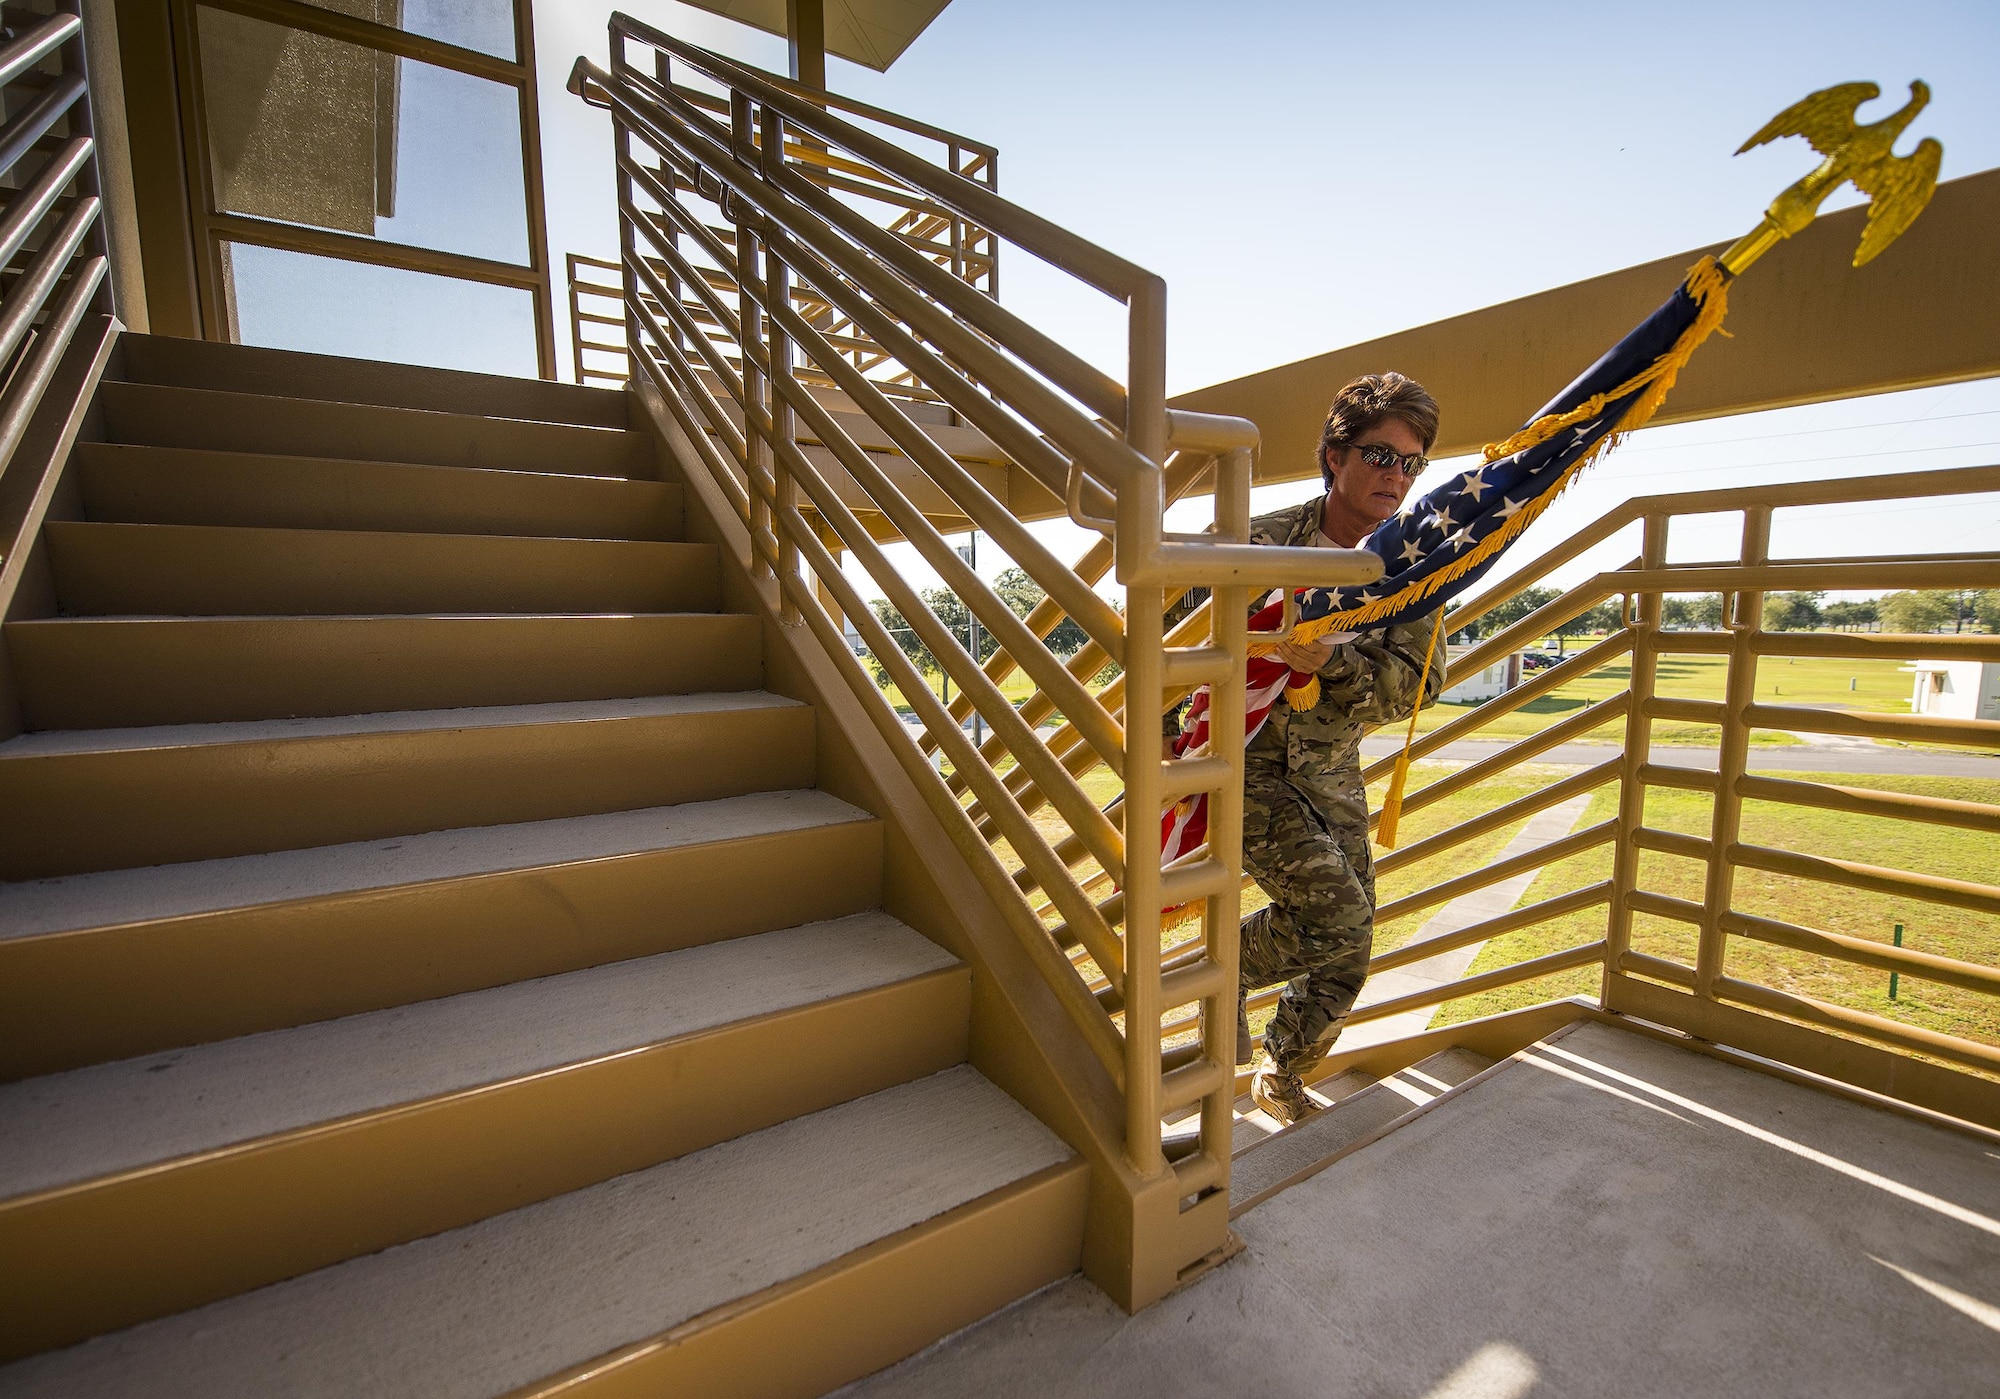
<point x="483" y="1309"/>
<point x="110" y="897"/>
<point x="225" y="534"/>
<point x="88" y="1123"/>
<point x="67" y="742"/>
<point x="1269" y="1161"/>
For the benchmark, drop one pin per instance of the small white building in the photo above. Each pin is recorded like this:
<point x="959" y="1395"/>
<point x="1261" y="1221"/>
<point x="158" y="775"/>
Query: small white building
<point x="1495" y="680"/>
<point x="1956" y="689"/>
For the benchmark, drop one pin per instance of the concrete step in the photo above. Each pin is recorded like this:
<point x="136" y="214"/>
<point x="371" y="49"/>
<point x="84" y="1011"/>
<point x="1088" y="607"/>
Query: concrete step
<point x="73" y="801"/>
<point x="203" y="364"/>
<point x="144" y="1187"/>
<point x="200" y="570"/>
<point x="1359" y="1108"/>
<point x="807" y="1254"/>
<point x="186" y="486"/>
<point x="107" y="672"/>
<point x="154" y="415"/>
<point x="96" y="967"/>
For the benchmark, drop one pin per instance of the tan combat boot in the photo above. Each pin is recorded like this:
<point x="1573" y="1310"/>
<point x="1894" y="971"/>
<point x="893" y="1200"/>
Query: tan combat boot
<point x="1282" y="1095"/>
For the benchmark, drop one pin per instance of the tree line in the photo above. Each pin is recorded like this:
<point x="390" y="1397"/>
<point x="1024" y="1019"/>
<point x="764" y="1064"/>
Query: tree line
<point x="1921" y="610"/>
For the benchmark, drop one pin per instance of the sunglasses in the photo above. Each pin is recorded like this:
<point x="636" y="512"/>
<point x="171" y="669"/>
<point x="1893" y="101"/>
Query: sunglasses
<point x="1383" y="458"/>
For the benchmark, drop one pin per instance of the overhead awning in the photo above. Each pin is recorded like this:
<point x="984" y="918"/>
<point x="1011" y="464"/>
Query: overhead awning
<point x="873" y="33"/>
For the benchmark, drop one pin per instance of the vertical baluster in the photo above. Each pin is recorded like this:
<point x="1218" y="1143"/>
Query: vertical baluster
<point x="1744" y="618"/>
<point x="1638" y="750"/>
<point x="784" y="422"/>
<point x="756" y="396"/>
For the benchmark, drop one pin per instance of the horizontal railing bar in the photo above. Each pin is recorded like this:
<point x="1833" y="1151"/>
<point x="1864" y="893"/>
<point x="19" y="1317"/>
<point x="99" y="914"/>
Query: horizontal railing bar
<point x="1254" y="566"/>
<point x="1659" y="968"/>
<point x="31" y="205"/>
<point x="24" y="394"/>
<point x="1817" y="1012"/>
<point x="35" y="45"/>
<point x="1189" y="1084"/>
<point x="1500" y="817"/>
<point x="1194" y="665"/>
<point x="1855" y="574"/>
<point x="1896" y="806"/>
<point x="1498" y="979"/>
<point x="1486" y="930"/>
<point x="1181" y="777"/>
<point x="1666" y="906"/>
<point x="1683" y="779"/>
<point x="31" y="291"/>
<point x="838" y="103"/>
<point x="1873" y="645"/>
<point x="1851" y="874"/>
<point x="1514" y="754"/>
<point x="1188" y="883"/>
<point x="1516" y="635"/>
<point x="1693" y="643"/>
<point x="1671" y="843"/>
<point x="1193" y="981"/>
<point x="33" y="121"/>
<point x="1948" y="971"/>
<point x="1924" y="728"/>
<point x="1575" y="843"/>
<point x="1686" y="711"/>
<point x="1555" y="677"/>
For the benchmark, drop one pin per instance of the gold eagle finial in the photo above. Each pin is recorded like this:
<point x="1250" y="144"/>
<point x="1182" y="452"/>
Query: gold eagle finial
<point x="1898" y="187"/>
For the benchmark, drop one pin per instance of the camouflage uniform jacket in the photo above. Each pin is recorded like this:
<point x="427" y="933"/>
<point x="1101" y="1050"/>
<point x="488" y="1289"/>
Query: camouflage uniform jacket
<point x="1368" y="681"/>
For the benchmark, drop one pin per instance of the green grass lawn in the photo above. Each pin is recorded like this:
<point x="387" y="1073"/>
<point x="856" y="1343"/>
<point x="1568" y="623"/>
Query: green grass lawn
<point x="1923" y="849"/>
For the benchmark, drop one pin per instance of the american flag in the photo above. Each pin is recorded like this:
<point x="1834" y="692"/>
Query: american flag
<point x="1447" y="541"/>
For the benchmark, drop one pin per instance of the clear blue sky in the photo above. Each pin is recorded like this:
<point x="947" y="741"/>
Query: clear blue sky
<point x="1310" y="175"/>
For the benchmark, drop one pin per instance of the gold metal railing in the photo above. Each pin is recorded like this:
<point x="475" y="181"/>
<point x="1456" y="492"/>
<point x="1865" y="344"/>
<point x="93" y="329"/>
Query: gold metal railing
<point x="749" y="273"/>
<point x="960" y="246"/>
<point x="52" y="232"/>
<point x="1637" y="982"/>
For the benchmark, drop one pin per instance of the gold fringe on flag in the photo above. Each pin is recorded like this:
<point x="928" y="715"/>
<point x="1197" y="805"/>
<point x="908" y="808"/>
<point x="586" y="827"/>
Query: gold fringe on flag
<point x="1708" y="284"/>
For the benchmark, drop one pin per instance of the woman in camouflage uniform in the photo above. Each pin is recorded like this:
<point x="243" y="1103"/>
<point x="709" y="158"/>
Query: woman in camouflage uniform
<point x="1305" y="811"/>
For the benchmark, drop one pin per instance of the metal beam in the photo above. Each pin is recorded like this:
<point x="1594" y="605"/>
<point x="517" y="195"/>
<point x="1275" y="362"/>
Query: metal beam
<point x="1807" y="327"/>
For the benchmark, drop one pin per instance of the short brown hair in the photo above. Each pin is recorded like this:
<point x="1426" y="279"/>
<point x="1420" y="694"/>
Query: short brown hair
<point x="1364" y="403"/>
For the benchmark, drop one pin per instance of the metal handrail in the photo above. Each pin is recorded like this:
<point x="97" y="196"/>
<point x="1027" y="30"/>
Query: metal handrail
<point x="731" y="232"/>
<point x="65" y="277"/>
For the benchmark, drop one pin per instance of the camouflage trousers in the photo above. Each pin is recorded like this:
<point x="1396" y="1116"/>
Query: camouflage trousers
<point x="1316" y="933"/>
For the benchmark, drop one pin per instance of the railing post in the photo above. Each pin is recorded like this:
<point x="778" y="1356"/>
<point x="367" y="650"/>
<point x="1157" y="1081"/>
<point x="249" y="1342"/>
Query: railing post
<point x="784" y="421"/>
<point x="756" y="394"/>
<point x="628" y="238"/>
<point x="1228" y="621"/>
<point x="1645" y="629"/>
<point x="1743" y="615"/>
<point x="1144" y="631"/>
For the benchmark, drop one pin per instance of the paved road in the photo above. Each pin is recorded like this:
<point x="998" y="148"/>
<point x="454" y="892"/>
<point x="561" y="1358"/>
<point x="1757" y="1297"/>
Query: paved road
<point x="1855" y="757"/>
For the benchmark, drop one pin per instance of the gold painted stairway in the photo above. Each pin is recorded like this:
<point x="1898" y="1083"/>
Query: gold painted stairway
<point x="426" y="964"/>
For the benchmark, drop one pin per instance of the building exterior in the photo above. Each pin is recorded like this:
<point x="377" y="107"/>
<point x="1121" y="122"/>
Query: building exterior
<point x="1955" y="689"/>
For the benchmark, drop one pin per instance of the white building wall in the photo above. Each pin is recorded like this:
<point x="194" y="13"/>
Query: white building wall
<point x="1956" y="689"/>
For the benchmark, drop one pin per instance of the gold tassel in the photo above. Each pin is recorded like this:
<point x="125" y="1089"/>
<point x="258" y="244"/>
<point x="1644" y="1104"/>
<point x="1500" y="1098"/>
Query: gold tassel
<point x="1392" y="801"/>
<point x="1303" y="697"/>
